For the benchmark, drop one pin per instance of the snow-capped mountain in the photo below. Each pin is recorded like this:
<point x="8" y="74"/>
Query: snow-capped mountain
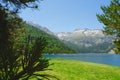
<point x="83" y="33"/>
<point x="82" y="40"/>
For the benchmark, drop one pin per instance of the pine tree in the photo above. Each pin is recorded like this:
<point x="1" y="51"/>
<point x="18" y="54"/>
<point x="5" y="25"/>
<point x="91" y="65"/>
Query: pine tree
<point x="111" y="19"/>
<point x="20" y="56"/>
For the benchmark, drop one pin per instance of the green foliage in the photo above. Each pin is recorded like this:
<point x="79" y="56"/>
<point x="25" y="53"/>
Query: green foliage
<point x="54" y="44"/>
<point x="20" y="55"/>
<point x="8" y="32"/>
<point x="30" y="59"/>
<point x="111" y="19"/>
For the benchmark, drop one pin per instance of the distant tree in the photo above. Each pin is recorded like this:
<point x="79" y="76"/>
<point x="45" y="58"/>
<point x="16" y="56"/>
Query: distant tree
<point x="20" y="56"/>
<point x="111" y="19"/>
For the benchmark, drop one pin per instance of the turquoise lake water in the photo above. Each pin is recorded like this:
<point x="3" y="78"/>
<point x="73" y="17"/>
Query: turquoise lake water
<point x="109" y="59"/>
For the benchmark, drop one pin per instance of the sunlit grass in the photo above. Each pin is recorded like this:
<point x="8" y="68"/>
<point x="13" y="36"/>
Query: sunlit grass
<point x="77" y="70"/>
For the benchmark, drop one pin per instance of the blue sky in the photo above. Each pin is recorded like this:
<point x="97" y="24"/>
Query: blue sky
<point x="66" y="15"/>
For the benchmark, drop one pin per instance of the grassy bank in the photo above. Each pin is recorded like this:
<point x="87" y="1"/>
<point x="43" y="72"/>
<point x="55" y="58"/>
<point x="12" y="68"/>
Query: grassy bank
<point x="77" y="70"/>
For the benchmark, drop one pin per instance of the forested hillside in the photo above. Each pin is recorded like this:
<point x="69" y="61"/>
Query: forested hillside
<point x="54" y="44"/>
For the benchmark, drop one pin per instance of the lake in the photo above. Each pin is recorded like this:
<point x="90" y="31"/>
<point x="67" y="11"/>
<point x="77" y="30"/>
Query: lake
<point x="109" y="59"/>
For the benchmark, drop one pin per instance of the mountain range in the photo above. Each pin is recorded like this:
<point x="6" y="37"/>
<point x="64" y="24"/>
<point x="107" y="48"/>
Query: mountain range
<point x="82" y="40"/>
<point x="87" y="40"/>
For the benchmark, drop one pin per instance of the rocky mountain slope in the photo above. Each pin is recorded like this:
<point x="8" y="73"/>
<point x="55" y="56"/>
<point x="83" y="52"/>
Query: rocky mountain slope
<point x="87" y="41"/>
<point x="40" y="27"/>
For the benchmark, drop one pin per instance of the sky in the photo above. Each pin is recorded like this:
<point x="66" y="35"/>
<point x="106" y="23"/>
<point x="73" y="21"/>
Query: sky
<point x="66" y="15"/>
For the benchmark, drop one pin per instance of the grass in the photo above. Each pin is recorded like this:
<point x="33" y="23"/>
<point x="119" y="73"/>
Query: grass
<point x="77" y="70"/>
